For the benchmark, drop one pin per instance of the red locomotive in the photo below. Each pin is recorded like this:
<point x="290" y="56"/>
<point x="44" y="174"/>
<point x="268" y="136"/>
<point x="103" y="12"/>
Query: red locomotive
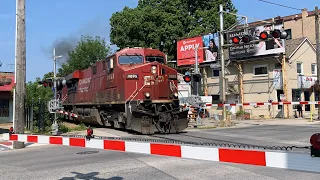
<point x="131" y="89"/>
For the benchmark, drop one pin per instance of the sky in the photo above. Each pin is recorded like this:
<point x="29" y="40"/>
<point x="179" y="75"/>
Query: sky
<point x="52" y="21"/>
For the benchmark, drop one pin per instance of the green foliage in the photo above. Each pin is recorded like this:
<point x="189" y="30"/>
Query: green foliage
<point x="154" y="21"/>
<point x="64" y="129"/>
<point x="88" y="51"/>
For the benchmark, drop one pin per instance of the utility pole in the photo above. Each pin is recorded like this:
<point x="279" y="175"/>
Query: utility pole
<point x="20" y="92"/>
<point x="284" y="86"/>
<point x="222" y="74"/>
<point x="317" y="47"/>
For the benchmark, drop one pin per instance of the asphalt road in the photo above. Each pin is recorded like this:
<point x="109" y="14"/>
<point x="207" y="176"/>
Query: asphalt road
<point x="254" y="135"/>
<point x="63" y="163"/>
<point x="259" y="135"/>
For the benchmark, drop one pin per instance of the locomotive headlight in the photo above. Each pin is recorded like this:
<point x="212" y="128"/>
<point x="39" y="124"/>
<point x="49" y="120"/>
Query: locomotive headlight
<point x="175" y="94"/>
<point x="147" y="95"/>
<point x="153" y="69"/>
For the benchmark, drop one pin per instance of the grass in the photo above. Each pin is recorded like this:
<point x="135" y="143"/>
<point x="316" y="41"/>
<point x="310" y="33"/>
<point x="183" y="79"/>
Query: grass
<point x="67" y="127"/>
<point x="63" y="127"/>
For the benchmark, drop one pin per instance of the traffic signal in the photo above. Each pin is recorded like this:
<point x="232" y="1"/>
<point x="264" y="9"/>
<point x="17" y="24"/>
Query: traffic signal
<point x="187" y="78"/>
<point x="197" y="77"/>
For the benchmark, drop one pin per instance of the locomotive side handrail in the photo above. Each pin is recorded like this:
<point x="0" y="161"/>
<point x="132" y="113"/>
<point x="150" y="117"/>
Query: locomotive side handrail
<point x="125" y="104"/>
<point x="135" y="96"/>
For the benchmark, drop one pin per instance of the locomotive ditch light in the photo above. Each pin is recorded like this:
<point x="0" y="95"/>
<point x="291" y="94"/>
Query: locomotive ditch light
<point x="263" y="35"/>
<point x="315" y="145"/>
<point x="147" y="95"/>
<point x="236" y="40"/>
<point x="175" y="95"/>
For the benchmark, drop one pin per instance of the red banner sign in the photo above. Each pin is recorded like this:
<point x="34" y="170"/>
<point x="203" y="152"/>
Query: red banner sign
<point x="186" y="52"/>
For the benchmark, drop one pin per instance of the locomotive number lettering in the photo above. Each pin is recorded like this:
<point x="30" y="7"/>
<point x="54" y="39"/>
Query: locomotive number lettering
<point x="132" y="76"/>
<point x="84" y="81"/>
<point x="173" y="76"/>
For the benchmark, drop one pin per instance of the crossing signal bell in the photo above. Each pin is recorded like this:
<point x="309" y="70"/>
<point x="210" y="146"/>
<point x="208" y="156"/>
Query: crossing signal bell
<point x="187" y="78"/>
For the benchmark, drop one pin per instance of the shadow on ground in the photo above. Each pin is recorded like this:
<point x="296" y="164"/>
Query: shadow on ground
<point x="91" y="176"/>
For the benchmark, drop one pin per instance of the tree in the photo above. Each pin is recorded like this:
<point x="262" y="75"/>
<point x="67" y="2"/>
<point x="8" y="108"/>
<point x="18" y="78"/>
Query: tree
<point x="153" y="21"/>
<point x="88" y="51"/>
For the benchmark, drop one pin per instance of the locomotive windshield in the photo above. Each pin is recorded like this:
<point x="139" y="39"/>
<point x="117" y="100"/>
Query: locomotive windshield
<point x="160" y="59"/>
<point x="130" y="59"/>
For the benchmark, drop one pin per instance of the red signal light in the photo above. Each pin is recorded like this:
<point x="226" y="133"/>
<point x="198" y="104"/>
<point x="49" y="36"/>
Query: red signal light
<point x="187" y="78"/>
<point x="263" y="35"/>
<point x="236" y="40"/>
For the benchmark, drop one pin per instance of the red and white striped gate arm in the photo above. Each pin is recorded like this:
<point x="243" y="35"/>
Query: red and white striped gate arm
<point x="68" y="113"/>
<point x="264" y="104"/>
<point x="275" y="159"/>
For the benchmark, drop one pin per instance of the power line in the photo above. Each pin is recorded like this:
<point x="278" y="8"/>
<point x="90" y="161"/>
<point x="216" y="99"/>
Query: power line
<point x="280" y="5"/>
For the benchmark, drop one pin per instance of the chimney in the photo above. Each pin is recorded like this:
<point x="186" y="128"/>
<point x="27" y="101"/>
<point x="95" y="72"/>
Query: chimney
<point x="304" y="15"/>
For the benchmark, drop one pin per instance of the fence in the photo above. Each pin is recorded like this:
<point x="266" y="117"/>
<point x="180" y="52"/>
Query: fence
<point x="37" y="116"/>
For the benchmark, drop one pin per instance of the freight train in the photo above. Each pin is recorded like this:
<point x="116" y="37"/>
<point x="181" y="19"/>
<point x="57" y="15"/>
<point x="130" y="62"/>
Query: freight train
<point x="132" y="89"/>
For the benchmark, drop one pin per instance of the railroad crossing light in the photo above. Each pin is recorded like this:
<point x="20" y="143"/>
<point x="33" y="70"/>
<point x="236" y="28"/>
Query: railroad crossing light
<point x="236" y="40"/>
<point x="187" y="78"/>
<point x="243" y="39"/>
<point x="264" y="35"/>
<point x="197" y="77"/>
<point x="275" y="34"/>
<point x="246" y="38"/>
<point x="279" y="34"/>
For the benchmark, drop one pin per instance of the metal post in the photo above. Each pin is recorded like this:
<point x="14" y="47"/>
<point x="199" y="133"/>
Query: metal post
<point x="317" y="47"/>
<point x="54" y="79"/>
<point x="222" y="79"/>
<point x="196" y="70"/>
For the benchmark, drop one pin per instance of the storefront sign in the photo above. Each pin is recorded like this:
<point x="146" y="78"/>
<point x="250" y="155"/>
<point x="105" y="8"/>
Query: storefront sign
<point x="306" y="82"/>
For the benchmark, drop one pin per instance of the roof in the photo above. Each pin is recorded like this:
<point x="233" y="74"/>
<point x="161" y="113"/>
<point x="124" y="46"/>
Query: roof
<point x="284" y="18"/>
<point x="293" y="45"/>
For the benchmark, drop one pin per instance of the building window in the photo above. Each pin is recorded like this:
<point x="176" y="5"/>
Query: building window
<point x="288" y="31"/>
<point x="260" y="70"/>
<point x="314" y="69"/>
<point x="215" y="73"/>
<point x="4" y="108"/>
<point x="299" y="68"/>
